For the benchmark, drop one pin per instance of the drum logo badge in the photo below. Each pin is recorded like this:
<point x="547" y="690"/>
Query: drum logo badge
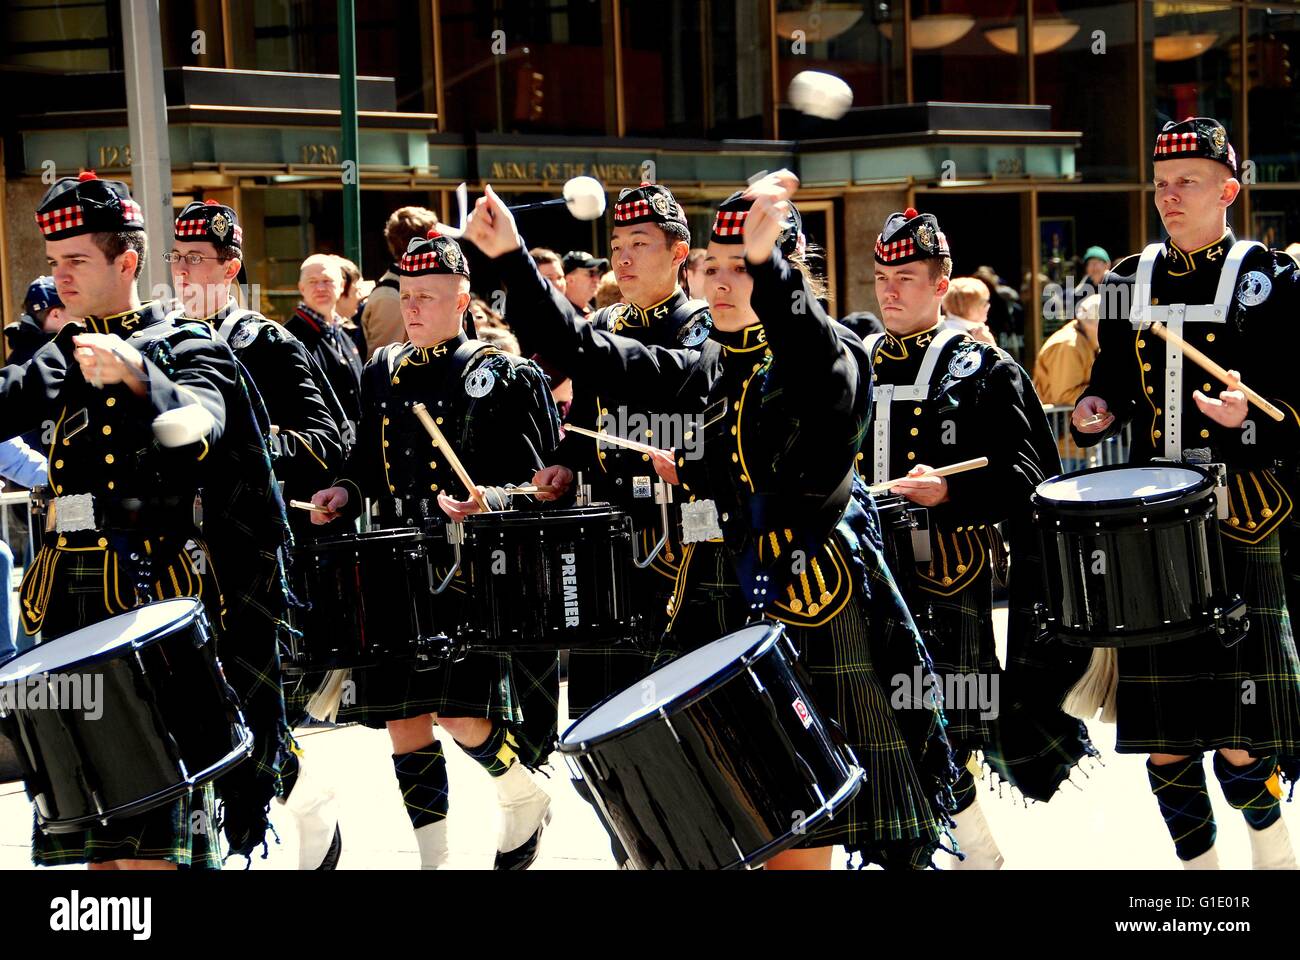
<point x="244" y="334"/>
<point x="694" y="333"/>
<point x="801" y="711"/>
<point x="1254" y="289"/>
<point x="480" y="383"/>
<point x="569" y="581"/>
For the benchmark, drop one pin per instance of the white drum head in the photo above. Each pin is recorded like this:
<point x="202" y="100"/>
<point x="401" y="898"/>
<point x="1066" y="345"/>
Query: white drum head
<point x="666" y="684"/>
<point x="99" y="638"/>
<point x="1125" y="484"/>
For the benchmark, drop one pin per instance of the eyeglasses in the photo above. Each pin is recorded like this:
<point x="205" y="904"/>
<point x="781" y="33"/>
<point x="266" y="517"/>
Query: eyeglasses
<point x="193" y="259"/>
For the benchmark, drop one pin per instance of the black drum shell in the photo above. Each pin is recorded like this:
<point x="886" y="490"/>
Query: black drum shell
<point x="170" y="722"/>
<point x="728" y="777"/>
<point x="515" y="563"/>
<point x="1132" y="572"/>
<point x="367" y="599"/>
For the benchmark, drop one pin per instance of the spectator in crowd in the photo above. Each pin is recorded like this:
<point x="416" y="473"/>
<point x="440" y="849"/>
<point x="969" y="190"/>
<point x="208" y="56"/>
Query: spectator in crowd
<point x="27" y="468"/>
<point x="502" y="339"/>
<point x="966" y="305"/>
<point x="350" y="304"/>
<point x="43" y="316"/>
<point x="1096" y="262"/>
<point x="581" y="277"/>
<point x="694" y="268"/>
<point x="1006" y="317"/>
<point x="608" y="292"/>
<point x="315" y="322"/>
<point x="549" y="265"/>
<point x="485" y="318"/>
<point x="1064" y="365"/>
<point x="381" y="320"/>
<point x="863" y="322"/>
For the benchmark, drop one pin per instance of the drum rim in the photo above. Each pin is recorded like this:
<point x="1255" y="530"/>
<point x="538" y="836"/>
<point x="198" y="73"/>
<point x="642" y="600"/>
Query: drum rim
<point x="1203" y="486"/>
<point x="776" y="632"/>
<point x="522" y="517"/>
<point x="195" y="608"/>
<point x="380" y="535"/>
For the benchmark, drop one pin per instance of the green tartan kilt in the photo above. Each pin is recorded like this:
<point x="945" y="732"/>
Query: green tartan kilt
<point x="65" y="590"/>
<point x="959" y="636"/>
<point x="1196" y="695"/>
<point x="892" y="811"/>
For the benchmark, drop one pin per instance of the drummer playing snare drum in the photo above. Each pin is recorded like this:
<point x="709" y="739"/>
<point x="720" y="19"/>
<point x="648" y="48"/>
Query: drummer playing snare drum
<point x="497" y="414"/>
<point x="1236" y="303"/>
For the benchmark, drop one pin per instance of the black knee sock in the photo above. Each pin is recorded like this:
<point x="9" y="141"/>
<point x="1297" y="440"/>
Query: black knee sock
<point x="1179" y="788"/>
<point x="498" y="753"/>
<point x="422" y="777"/>
<point x="1251" y="789"/>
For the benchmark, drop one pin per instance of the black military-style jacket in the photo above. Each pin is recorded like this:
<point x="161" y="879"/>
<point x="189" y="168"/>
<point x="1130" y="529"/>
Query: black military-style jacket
<point x="308" y="447"/>
<point x="496" y="412"/>
<point x="335" y="352"/>
<point x="980" y="403"/>
<point x="617" y="475"/>
<point x="1130" y="372"/>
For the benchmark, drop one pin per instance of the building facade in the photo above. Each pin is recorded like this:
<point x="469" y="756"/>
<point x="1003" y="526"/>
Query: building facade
<point x="1025" y="125"/>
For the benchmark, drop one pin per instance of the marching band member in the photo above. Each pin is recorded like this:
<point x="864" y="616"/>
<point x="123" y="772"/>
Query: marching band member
<point x="775" y="476"/>
<point x="941" y="397"/>
<point x="1235" y="303"/>
<point x="496" y="411"/>
<point x="142" y="412"/>
<point x="306" y="443"/>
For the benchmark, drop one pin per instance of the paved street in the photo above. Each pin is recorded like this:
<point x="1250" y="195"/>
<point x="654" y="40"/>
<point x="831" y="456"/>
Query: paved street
<point x="1111" y="822"/>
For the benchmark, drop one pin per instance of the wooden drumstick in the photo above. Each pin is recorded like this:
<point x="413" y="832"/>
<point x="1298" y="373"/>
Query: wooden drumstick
<point x="313" y="507"/>
<point x="440" y="441"/>
<point x="610" y="438"/>
<point x="1201" y="360"/>
<point x="937" y="472"/>
<point x="531" y="488"/>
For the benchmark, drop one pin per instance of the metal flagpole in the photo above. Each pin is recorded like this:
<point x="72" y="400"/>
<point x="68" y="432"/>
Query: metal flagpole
<point x="151" y="162"/>
<point x="348" y="131"/>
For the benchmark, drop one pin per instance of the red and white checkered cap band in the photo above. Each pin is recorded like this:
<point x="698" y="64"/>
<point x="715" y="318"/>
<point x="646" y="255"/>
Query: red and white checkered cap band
<point x="65" y="218"/>
<point x="895" y="249"/>
<point x="942" y="246"/>
<point x="199" y="228"/>
<point x="1168" y="143"/>
<point x="421" y="261"/>
<point x="730" y="223"/>
<point x="631" y="209"/>
<point x="131" y="210"/>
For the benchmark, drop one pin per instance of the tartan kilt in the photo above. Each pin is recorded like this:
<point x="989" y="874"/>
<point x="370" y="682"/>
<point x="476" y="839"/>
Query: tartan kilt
<point x="66" y="589"/>
<point x="849" y="659"/>
<point x="1033" y="743"/>
<point x="477" y="686"/>
<point x="959" y="637"/>
<point x="1197" y="695"/>
<point x="596" y="674"/>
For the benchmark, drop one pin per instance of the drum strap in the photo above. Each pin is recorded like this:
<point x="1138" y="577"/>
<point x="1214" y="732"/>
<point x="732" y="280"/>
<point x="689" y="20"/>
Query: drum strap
<point x="887" y="393"/>
<point x="1174" y="316"/>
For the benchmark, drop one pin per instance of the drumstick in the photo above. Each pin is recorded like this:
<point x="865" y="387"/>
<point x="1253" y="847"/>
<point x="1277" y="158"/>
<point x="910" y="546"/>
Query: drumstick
<point x="440" y="441"/>
<point x="1095" y="419"/>
<point x="1206" y="363"/>
<point x="531" y="488"/>
<point x="313" y="507"/>
<point x="610" y="438"/>
<point x="937" y="472"/>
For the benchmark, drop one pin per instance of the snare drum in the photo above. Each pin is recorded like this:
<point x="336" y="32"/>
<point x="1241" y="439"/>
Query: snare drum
<point x="905" y="529"/>
<point x="368" y="598"/>
<point x="143" y="715"/>
<point x="720" y="759"/>
<point x="548" y="580"/>
<point x="1132" y="557"/>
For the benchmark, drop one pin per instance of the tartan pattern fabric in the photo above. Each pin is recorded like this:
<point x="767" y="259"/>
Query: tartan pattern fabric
<point x="56" y="221"/>
<point x="413" y="264"/>
<point x="536" y="680"/>
<point x="171" y="832"/>
<point x="895" y="249"/>
<point x="630" y="210"/>
<point x="1179" y="789"/>
<point x="478" y="686"/>
<point x="198" y="227"/>
<point x="1196" y="695"/>
<point x="730" y="223"/>
<point x="1172" y="143"/>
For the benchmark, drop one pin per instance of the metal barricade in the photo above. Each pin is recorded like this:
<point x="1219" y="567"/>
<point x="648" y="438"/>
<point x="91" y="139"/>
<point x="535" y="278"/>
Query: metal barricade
<point x="1073" y="457"/>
